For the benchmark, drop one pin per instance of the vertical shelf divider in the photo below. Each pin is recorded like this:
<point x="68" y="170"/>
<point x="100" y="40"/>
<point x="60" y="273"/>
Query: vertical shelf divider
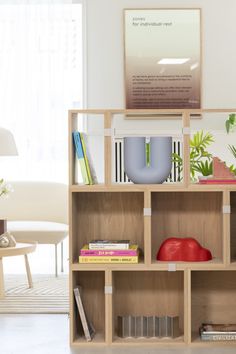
<point x="108" y="307"/>
<point x="226" y="229"/>
<point x="187" y="306"/>
<point x="107" y="148"/>
<point x="186" y="140"/>
<point x="147" y="229"/>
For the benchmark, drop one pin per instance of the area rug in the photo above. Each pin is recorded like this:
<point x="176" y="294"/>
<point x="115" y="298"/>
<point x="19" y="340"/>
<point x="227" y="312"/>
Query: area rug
<point x="49" y="294"/>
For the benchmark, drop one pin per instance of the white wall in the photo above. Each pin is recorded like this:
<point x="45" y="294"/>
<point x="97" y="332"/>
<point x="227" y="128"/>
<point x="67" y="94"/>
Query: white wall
<point x="105" y="64"/>
<point x="105" y="50"/>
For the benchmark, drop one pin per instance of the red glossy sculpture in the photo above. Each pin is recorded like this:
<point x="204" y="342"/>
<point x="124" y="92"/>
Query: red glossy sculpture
<point x="183" y="249"/>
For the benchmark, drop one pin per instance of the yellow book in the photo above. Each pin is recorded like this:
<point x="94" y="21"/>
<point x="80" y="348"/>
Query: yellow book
<point x="106" y="259"/>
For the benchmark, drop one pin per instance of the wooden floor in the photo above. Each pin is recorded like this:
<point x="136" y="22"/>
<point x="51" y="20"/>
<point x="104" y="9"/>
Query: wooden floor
<point x="48" y="334"/>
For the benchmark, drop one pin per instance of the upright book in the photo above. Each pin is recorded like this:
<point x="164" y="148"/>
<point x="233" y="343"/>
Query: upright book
<point x="80" y="156"/>
<point x="88" y="159"/>
<point x="88" y="328"/>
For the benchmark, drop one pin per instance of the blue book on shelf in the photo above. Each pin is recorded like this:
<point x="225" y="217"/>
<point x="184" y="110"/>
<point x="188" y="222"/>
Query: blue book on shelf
<point x="80" y="155"/>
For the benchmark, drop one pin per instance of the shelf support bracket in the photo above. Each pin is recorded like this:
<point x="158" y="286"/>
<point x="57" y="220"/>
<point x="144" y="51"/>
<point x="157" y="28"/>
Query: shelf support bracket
<point x="108" y="289"/>
<point x="171" y="267"/>
<point x="147" y="211"/>
<point x="186" y="131"/>
<point x="226" y="209"/>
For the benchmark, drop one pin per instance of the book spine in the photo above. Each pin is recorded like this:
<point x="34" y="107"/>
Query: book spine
<point x="99" y="259"/>
<point x="89" y="158"/>
<point x="127" y="253"/>
<point x="108" y="246"/>
<point x="86" y="159"/>
<point x="82" y="314"/>
<point x="80" y="156"/>
<point x="218" y="337"/>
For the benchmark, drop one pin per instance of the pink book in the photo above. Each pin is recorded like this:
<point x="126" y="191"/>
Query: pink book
<point x="132" y="251"/>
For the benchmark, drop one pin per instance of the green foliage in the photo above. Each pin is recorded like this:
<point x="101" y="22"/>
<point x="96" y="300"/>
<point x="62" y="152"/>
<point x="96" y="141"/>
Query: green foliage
<point x="230" y="123"/>
<point x="232" y="169"/>
<point x="4" y="188"/>
<point x="204" y="167"/>
<point x="200" y="158"/>
<point x="232" y="148"/>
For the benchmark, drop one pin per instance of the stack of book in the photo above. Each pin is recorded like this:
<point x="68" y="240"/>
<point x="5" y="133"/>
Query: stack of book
<point x="84" y="158"/>
<point x="109" y="251"/>
<point x="218" y="332"/>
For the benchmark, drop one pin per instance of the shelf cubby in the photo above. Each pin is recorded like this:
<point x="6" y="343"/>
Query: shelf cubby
<point x="148" y="293"/>
<point x="92" y="283"/>
<point x="188" y="214"/>
<point x="107" y="215"/>
<point x="212" y="299"/>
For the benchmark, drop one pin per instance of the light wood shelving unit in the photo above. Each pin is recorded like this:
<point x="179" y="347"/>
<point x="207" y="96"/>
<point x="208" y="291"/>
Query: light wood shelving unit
<point x="196" y="292"/>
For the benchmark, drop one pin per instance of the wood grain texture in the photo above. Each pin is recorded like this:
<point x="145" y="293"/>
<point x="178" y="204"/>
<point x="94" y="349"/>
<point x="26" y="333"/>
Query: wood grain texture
<point x="213" y="297"/>
<point x="115" y="216"/>
<point x="93" y="299"/>
<point x="148" y="293"/>
<point x="188" y="214"/>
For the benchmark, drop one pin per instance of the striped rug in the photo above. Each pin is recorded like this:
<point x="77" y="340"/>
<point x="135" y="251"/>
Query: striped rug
<point x="49" y="294"/>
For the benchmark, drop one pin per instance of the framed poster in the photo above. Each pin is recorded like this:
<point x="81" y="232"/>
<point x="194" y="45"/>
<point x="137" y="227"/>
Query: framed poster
<point x="162" y="58"/>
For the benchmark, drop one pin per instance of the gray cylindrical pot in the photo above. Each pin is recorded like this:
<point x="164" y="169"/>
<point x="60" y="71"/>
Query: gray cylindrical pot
<point x="135" y="159"/>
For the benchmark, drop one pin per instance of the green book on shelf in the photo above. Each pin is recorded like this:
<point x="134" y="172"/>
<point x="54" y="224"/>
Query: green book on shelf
<point x="80" y="156"/>
<point x="88" y="159"/>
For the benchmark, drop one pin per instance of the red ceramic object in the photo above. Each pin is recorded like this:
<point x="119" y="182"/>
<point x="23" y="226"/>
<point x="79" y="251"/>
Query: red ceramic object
<point x="183" y="249"/>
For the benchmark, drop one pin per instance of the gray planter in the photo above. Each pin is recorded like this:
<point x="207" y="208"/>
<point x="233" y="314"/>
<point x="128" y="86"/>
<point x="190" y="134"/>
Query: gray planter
<point x="135" y="159"/>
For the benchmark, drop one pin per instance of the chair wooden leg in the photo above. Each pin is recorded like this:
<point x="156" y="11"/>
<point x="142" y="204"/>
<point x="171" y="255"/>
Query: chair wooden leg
<point x="56" y="273"/>
<point x="2" y="292"/>
<point x="28" y="271"/>
<point x="62" y="268"/>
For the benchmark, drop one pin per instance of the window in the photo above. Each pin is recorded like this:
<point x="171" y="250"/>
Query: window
<point x="41" y="77"/>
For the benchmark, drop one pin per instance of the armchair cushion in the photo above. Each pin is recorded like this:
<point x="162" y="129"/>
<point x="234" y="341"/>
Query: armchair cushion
<point x="44" y="232"/>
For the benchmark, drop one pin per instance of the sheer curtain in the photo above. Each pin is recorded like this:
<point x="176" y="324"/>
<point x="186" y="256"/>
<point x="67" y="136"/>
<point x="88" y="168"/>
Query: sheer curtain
<point x="40" y="78"/>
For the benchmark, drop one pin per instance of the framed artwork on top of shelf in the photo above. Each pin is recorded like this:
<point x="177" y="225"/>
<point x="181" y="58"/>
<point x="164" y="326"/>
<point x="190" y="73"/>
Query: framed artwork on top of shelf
<point x="162" y="56"/>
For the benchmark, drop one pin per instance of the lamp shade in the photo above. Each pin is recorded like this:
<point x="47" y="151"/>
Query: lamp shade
<point x="7" y="143"/>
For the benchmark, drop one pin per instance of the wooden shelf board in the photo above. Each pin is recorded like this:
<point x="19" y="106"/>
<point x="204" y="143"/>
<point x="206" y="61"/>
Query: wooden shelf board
<point x="155" y="265"/>
<point x="126" y="187"/>
<point x="148" y="341"/>
<point x="214" y="263"/>
<point x="232" y="265"/>
<point x="172" y="187"/>
<point x="104" y="266"/>
<point x="99" y="339"/>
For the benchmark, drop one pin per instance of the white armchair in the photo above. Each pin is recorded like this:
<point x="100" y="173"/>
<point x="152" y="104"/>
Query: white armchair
<point x="37" y="211"/>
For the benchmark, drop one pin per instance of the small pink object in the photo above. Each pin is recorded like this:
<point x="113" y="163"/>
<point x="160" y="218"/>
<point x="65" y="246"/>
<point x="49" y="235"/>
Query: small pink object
<point x="183" y="249"/>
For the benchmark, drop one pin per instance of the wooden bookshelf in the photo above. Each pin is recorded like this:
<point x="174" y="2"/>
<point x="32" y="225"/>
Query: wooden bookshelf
<point x="195" y="291"/>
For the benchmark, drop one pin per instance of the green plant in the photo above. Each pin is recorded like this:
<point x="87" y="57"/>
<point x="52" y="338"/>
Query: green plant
<point x="5" y="188"/>
<point x="230" y="123"/>
<point x="200" y="158"/>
